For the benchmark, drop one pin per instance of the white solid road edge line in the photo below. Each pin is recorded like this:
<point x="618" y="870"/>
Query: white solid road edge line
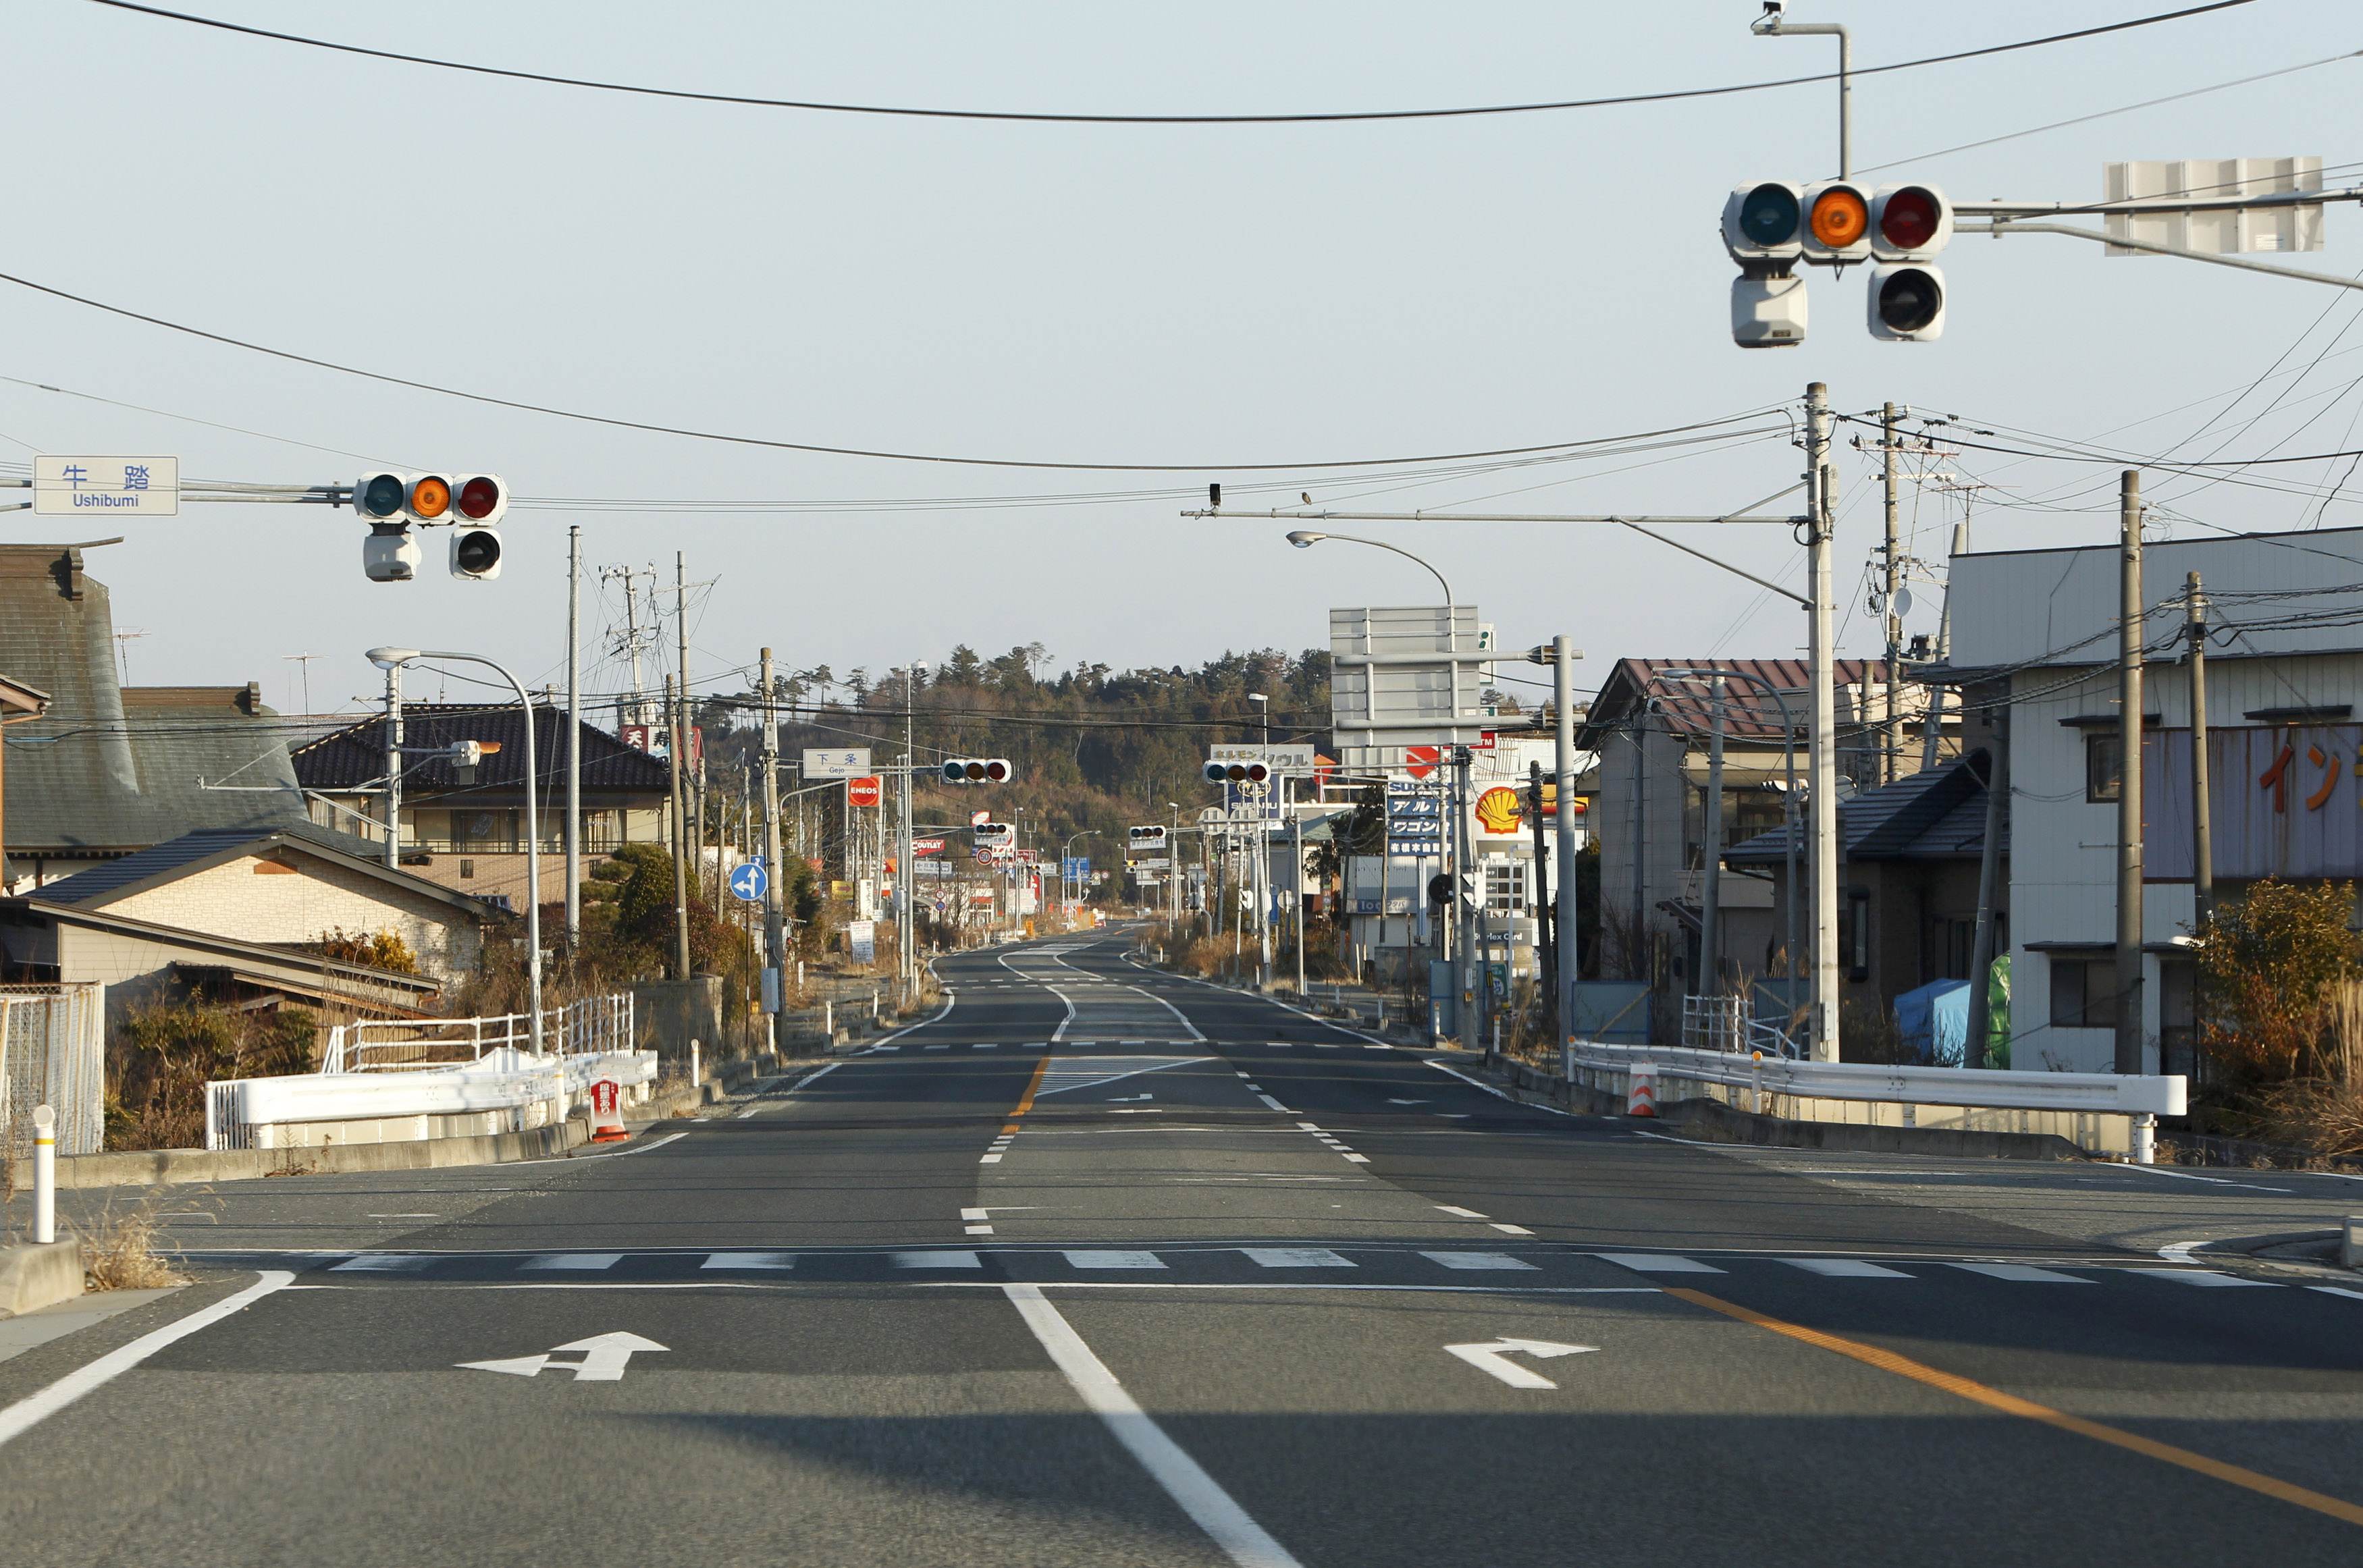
<point x="762" y="1102"/>
<point x="1489" y="1088"/>
<point x="34" y="1408"/>
<point x="941" y="1014"/>
<point x="1245" y="1541"/>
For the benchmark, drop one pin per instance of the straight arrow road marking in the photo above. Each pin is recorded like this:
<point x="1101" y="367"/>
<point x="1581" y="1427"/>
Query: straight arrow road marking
<point x="604" y="1356"/>
<point x="1492" y="1358"/>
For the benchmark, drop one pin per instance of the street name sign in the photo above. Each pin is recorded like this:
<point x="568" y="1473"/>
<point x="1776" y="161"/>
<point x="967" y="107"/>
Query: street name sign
<point x="83" y="487"/>
<point x="838" y="762"/>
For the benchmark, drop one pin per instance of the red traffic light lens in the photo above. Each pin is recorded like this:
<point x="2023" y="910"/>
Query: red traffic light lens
<point x="1258" y="772"/>
<point x="1907" y="220"/>
<point x="478" y="498"/>
<point x="997" y="771"/>
<point x="1840" y="217"/>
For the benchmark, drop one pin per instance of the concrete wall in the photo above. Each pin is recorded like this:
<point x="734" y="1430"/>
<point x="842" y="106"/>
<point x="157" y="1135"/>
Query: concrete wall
<point x="256" y="899"/>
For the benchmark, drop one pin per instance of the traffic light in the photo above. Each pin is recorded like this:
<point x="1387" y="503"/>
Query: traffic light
<point x="1762" y="228"/>
<point x="392" y="502"/>
<point x="1909" y="225"/>
<point x="1237" y="772"/>
<point x="1761" y="222"/>
<point x="977" y="770"/>
<point x="1837" y="223"/>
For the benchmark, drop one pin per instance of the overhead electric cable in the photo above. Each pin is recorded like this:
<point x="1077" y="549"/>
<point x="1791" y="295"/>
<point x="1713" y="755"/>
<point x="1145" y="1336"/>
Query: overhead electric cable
<point x="613" y="423"/>
<point x="746" y="101"/>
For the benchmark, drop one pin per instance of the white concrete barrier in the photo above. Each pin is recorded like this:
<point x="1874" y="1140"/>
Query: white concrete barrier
<point x="506" y="1091"/>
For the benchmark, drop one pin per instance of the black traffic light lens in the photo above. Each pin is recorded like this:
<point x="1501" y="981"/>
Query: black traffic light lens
<point x="1768" y="215"/>
<point x="478" y="550"/>
<point x="381" y="496"/>
<point x="1907" y="220"/>
<point x="478" y="498"/>
<point x="954" y="774"/>
<point x="1908" y="300"/>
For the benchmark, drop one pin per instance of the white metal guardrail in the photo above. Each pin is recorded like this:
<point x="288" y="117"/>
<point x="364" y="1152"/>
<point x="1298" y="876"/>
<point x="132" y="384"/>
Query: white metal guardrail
<point x="2100" y="1111"/>
<point x="405" y="1046"/>
<point x="512" y="1090"/>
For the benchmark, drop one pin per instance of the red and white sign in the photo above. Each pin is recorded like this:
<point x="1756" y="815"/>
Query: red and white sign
<point x="926" y="846"/>
<point x="978" y="819"/>
<point x="864" y="791"/>
<point x="1419" y="761"/>
<point x="607" y="1120"/>
<point x="656" y="740"/>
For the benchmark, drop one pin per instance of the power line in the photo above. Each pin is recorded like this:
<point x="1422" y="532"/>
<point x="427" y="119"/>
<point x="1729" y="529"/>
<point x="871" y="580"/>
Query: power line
<point x="614" y="423"/>
<point x="742" y="101"/>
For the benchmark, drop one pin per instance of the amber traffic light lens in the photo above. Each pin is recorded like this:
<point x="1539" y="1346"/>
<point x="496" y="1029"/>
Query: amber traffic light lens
<point x="431" y="497"/>
<point x="1840" y="218"/>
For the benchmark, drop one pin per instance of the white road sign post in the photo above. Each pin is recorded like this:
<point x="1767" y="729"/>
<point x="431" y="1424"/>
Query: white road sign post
<point x="113" y="487"/>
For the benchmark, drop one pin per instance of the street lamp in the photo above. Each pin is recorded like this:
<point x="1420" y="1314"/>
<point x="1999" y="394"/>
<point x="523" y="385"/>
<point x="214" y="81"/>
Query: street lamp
<point x="391" y="659"/>
<point x="1305" y="538"/>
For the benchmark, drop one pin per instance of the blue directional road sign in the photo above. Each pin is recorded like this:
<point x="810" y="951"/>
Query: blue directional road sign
<point x="748" y="882"/>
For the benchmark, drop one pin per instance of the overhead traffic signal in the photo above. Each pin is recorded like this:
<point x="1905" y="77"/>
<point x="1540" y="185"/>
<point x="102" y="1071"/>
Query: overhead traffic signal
<point x="1770" y="225"/>
<point x="977" y="770"/>
<point x="1237" y="772"/>
<point x="392" y="502"/>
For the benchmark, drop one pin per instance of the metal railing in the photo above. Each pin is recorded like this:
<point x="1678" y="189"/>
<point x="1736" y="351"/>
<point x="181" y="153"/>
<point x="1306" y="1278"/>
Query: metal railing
<point x="1714" y="1022"/>
<point x="52" y="1051"/>
<point x="2095" y="1093"/>
<point x="594" y="1025"/>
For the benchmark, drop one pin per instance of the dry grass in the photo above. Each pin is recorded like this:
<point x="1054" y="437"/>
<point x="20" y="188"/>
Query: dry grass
<point x="119" y="1251"/>
<point x="2320" y="1115"/>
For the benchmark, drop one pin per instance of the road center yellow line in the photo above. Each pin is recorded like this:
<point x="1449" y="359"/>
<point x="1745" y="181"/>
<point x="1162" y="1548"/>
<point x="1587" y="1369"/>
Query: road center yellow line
<point x="2027" y="1409"/>
<point x="1026" y="1101"/>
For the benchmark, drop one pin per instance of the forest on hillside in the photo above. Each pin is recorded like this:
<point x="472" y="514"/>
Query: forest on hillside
<point x="1094" y="747"/>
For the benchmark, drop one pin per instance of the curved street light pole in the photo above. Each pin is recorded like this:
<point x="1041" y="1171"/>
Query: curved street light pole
<point x="390" y="658"/>
<point x="1305" y="538"/>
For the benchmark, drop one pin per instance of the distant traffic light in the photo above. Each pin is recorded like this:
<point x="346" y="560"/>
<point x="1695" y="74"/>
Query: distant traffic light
<point x="1770" y="227"/>
<point x="1237" y="772"/>
<point x="977" y="770"/>
<point x="393" y="502"/>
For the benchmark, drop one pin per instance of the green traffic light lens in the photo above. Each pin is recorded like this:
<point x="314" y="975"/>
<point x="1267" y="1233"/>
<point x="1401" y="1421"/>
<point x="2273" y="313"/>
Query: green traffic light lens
<point x="381" y="496"/>
<point x="1768" y="215"/>
<point x="1908" y="300"/>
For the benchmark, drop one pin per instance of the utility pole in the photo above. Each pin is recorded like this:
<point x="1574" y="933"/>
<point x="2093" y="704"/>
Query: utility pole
<point x="1890" y="751"/>
<point x="1571" y="968"/>
<point x="693" y="824"/>
<point x="393" y="765"/>
<point x="573" y="739"/>
<point x="2203" y="826"/>
<point x="1546" y="949"/>
<point x="1981" y="946"/>
<point x="774" y="891"/>
<point x="2129" y="785"/>
<point x="1710" y="975"/>
<point x="679" y="750"/>
<point x="1296" y="891"/>
<point x="1821" y="482"/>
<point x="1463" y="905"/>
<point x="639" y="707"/>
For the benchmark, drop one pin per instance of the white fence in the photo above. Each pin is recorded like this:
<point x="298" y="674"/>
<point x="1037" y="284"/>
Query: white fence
<point x="435" y="1078"/>
<point x="593" y="1025"/>
<point x="2100" y="1112"/>
<point x="53" y="1052"/>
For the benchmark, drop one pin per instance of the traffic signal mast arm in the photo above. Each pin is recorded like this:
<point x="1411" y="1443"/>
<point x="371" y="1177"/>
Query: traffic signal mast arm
<point x="2010" y="217"/>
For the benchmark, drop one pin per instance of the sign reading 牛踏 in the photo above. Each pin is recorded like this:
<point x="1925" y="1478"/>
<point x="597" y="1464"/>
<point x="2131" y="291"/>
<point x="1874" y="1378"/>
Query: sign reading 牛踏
<point x="81" y="487"/>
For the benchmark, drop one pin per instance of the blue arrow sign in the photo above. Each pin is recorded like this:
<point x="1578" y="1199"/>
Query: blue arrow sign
<point x="748" y="882"/>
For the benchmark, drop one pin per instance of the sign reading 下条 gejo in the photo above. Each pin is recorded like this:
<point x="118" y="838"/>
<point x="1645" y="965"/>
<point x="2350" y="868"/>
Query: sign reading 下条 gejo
<point x="78" y="487"/>
<point x="836" y="762"/>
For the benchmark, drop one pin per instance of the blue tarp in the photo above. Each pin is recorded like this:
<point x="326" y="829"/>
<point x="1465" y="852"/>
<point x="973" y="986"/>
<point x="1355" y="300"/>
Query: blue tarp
<point x="1935" y="1021"/>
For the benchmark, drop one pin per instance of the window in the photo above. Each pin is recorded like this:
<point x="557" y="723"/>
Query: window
<point x="2083" y="991"/>
<point x="1854" y="940"/>
<point x="2104" y="765"/>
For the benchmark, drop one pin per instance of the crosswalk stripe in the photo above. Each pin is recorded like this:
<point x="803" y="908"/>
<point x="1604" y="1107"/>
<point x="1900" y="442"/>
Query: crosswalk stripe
<point x="2211" y="1277"/>
<point x="1480" y="1261"/>
<point x="581" y="1261"/>
<point x="1296" y="1257"/>
<point x="937" y="1260"/>
<point x="749" y="1260"/>
<point x="1115" y="1259"/>
<point x="2020" y="1273"/>
<point x="1657" y="1262"/>
<point x="384" y="1263"/>
<point x="1844" y="1268"/>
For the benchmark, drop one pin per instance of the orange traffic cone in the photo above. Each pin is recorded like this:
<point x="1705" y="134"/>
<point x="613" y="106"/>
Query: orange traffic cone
<point x="606" y="1113"/>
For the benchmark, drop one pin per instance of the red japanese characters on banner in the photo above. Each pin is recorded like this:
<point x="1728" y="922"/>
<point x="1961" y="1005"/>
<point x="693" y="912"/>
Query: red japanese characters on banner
<point x="2287" y="801"/>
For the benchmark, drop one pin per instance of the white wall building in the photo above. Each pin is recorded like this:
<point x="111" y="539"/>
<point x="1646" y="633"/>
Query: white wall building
<point x="2284" y="683"/>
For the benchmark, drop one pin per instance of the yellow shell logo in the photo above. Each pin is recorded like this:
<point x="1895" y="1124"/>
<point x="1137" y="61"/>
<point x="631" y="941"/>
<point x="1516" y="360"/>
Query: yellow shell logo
<point x="1499" y="810"/>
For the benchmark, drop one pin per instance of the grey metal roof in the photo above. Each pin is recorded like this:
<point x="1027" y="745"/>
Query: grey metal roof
<point x="1938" y="814"/>
<point x="117" y="878"/>
<point x="104" y="771"/>
<point x="354" y="756"/>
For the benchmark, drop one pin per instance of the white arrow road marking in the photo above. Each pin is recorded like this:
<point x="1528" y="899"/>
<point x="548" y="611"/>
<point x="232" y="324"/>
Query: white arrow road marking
<point x="1493" y="1357"/>
<point x="1406" y="1102"/>
<point x="1128" y="1098"/>
<point x="603" y="1359"/>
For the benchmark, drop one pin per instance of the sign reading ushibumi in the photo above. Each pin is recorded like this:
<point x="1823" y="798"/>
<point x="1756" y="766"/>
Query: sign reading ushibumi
<point x="78" y="487"/>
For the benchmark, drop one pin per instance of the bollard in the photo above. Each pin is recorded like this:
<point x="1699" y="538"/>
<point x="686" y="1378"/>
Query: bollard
<point x="1641" y="1091"/>
<point x="828" y="1021"/>
<point x="44" y="1174"/>
<point x="2145" y="1139"/>
<point x="1755" y="1083"/>
<point x="696" y="1077"/>
<point x="874" y="1006"/>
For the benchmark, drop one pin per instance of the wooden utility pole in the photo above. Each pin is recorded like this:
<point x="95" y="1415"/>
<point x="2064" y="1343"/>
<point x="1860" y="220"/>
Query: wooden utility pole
<point x="2129" y="777"/>
<point x="2203" y="826"/>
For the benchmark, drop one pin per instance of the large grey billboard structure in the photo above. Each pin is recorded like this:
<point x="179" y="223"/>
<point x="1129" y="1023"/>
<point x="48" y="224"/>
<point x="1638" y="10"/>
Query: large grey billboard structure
<point x="1404" y="677"/>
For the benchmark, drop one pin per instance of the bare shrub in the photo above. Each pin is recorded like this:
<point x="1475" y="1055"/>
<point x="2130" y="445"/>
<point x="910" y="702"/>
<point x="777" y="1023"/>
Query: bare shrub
<point x="119" y="1249"/>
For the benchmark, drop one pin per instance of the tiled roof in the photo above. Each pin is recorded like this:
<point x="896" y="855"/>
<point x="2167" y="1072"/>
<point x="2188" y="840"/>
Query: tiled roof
<point x="112" y="879"/>
<point x="354" y="756"/>
<point x="1750" y="714"/>
<point x="1938" y="814"/>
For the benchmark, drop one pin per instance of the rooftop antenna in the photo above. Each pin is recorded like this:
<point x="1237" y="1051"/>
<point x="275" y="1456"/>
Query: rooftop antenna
<point x="304" y="662"/>
<point x="123" y="655"/>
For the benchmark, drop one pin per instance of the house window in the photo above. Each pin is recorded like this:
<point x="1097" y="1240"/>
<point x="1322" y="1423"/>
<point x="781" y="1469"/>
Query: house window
<point x="1855" y="940"/>
<point x="2104" y="765"/>
<point x="2083" y="991"/>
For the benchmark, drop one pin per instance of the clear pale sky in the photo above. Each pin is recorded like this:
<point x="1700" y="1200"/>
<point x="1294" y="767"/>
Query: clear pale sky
<point x="1095" y="293"/>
